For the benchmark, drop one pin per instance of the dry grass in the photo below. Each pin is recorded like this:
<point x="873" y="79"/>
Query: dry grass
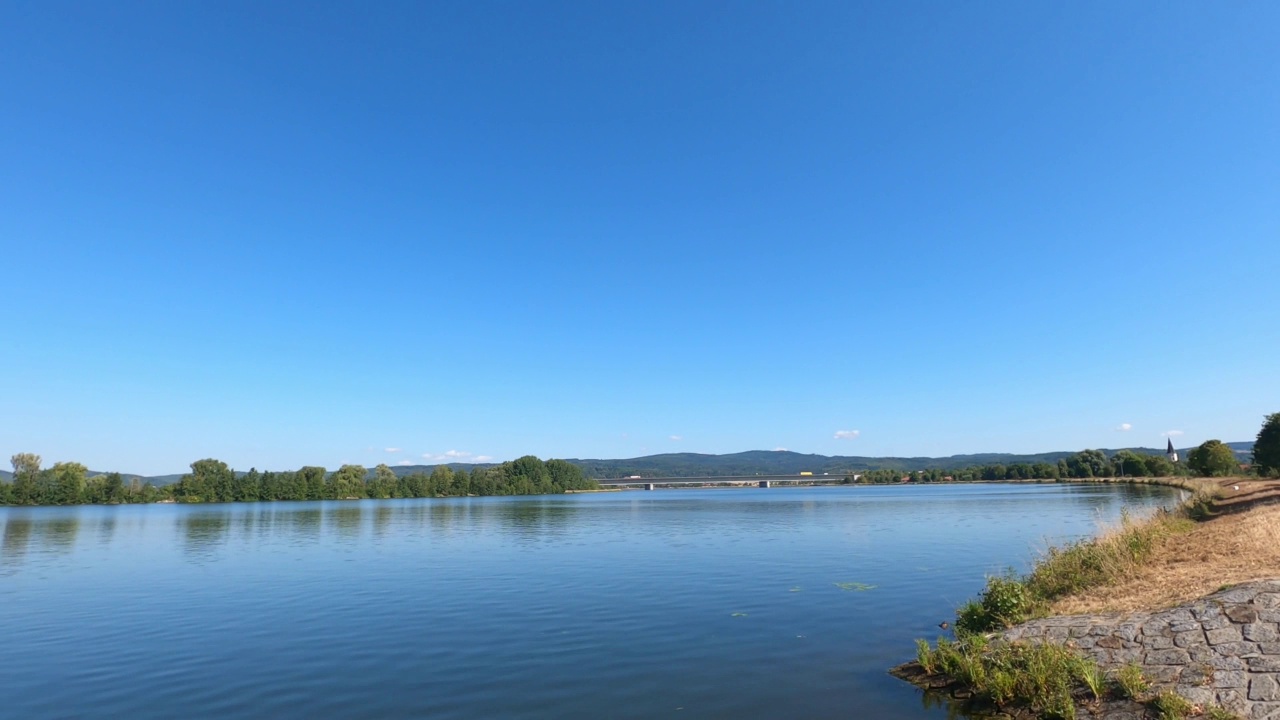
<point x="1225" y="550"/>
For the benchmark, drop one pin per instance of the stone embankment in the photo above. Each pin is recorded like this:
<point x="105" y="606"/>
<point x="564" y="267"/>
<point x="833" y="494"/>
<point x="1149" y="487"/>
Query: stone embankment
<point x="1222" y="649"/>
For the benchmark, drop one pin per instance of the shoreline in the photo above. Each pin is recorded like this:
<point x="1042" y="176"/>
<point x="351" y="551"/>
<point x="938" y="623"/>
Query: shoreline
<point x="1175" y="482"/>
<point x="1199" y="621"/>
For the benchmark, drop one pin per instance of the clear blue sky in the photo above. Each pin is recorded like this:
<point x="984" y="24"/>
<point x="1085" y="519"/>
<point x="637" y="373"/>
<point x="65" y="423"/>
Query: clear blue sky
<point x="312" y="233"/>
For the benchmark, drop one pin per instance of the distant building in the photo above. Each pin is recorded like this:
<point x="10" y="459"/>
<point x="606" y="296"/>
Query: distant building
<point x="1171" y="453"/>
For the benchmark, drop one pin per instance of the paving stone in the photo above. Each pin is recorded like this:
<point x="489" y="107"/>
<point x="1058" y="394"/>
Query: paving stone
<point x="1267" y="601"/>
<point x="1198" y="695"/>
<point x="1264" y="687"/>
<point x="1162" y="674"/>
<point x="1260" y="632"/>
<point x="1242" y="613"/>
<point x="1238" y="595"/>
<point x="1231" y="679"/>
<point x="1264" y="664"/>
<point x="1233" y="701"/>
<point x="1174" y="656"/>
<point x="1223" y="635"/>
<point x="1202" y="653"/>
<point x="1237" y="649"/>
<point x="1128" y="631"/>
<point x="1159" y="643"/>
<point x="1190" y="638"/>
<point x="1196" y="674"/>
<point x="1221" y="662"/>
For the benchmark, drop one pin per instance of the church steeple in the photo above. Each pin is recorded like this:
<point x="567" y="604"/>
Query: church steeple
<point x="1171" y="453"/>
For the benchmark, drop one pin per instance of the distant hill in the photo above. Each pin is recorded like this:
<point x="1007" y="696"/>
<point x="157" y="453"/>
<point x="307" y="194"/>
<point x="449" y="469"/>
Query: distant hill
<point x="783" y="462"/>
<point x="764" y="462"/>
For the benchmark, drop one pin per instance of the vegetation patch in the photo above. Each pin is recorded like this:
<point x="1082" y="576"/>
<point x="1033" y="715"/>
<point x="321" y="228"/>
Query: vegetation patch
<point x="1045" y="679"/>
<point x="855" y="586"/>
<point x="1075" y="567"/>
<point x="1041" y="677"/>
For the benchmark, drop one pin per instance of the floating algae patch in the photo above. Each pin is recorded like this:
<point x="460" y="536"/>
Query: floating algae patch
<point x="855" y="586"/>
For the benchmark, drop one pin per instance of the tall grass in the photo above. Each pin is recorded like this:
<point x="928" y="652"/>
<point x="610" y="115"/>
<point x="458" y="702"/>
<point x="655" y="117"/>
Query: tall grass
<point x="1075" y="567"/>
<point x="1045" y="676"/>
<point x="1041" y="676"/>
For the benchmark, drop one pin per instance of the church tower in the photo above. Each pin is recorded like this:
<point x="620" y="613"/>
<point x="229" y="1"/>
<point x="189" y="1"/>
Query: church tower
<point x="1171" y="453"/>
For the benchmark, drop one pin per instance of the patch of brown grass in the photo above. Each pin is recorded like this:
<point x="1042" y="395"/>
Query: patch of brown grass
<point x="1225" y="550"/>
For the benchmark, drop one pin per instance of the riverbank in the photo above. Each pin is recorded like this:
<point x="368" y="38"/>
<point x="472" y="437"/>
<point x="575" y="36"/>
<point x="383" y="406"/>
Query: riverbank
<point x="1184" y="601"/>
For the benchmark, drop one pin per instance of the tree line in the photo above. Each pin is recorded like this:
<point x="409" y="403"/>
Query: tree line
<point x="1212" y="458"/>
<point x="1084" y="464"/>
<point x="212" y="480"/>
<point x="69" y="483"/>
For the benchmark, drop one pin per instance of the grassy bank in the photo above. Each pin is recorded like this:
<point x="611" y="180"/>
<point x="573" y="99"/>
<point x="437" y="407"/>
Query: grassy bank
<point x="1067" y="570"/>
<point x="1157" y="561"/>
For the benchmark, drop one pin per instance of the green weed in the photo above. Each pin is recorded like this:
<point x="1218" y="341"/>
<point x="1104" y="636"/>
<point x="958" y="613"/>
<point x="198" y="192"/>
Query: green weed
<point x="1132" y="683"/>
<point x="1093" y="678"/>
<point x="1171" y="706"/>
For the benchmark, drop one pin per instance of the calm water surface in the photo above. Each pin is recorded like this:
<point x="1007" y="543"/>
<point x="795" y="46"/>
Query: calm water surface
<point x="681" y="603"/>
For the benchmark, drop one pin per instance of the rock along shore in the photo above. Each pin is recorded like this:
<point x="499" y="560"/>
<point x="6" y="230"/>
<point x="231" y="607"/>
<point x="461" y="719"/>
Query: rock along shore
<point x="1222" y="649"/>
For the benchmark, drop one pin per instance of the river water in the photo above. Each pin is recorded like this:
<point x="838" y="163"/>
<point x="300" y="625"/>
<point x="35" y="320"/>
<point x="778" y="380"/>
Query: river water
<point x="741" y="603"/>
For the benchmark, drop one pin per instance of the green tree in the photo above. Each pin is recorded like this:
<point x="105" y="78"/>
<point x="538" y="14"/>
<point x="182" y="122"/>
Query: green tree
<point x="1128" y="463"/>
<point x="1266" y="449"/>
<point x="209" y="481"/>
<point x="1213" y="459"/>
<point x="1159" y="466"/>
<point x="383" y="484"/>
<point x="1090" y="463"/>
<point x="311" y="483"/>
<point x="26" y="471"/>
<point x="248" y="487"/>
<point x="348" y="482"/>
<point x="67" y="483"/>
<point x="567" y="476"/>
<point x="442" y="480"/>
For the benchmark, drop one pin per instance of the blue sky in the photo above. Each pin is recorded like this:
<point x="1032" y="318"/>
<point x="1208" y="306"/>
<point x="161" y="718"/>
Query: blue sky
<point x="313" y="233"/>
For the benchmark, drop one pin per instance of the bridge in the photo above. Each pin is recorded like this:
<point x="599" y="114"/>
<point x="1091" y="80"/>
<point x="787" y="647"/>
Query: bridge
<point x="763" y="481"/>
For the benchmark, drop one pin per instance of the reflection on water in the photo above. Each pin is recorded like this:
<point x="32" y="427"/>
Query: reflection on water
<point x="17" y="535"/>
<point x="611" y="605"/>
<point x="49" y="533"/>
<point x="204" y="529"/>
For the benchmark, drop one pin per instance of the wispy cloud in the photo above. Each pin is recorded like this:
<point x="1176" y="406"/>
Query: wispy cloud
<point x="847" y="434"/>
<point x="461" y="456"/>
<point x="676" y="438"/>
<point x="405" y="462"/>
<point x="391" y="450"/>
<point x="1171" y="433"/>
<point x="1124" y="427"/>
<point x="779" y="449"/>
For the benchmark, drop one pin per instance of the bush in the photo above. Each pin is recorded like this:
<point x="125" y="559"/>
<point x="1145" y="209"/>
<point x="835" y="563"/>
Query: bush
<point x="1005" y="602"/>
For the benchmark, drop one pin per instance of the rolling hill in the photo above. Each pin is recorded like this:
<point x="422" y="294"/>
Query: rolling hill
<point x="764" y="462"/>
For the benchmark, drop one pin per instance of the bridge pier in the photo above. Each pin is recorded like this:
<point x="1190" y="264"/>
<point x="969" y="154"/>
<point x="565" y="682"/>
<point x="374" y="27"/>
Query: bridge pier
<point x="648" y="486"/>
<point x="765" y="484"/>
